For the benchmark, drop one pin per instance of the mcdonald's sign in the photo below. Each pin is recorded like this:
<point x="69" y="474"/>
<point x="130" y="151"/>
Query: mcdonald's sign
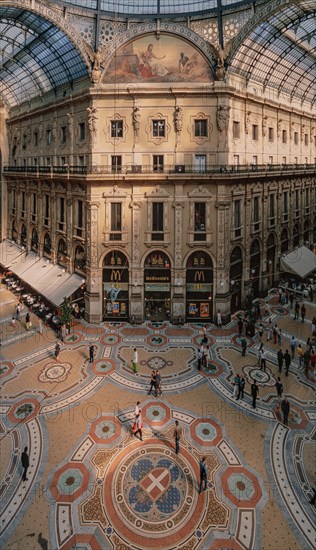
<point x="199" y="276"/>
<point x="115" y="275"/>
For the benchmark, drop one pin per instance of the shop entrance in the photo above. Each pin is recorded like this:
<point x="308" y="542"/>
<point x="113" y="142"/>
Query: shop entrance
<point x="157" y="277"/>
<point x="115" y="286"/>
<point x="199" y="287"/>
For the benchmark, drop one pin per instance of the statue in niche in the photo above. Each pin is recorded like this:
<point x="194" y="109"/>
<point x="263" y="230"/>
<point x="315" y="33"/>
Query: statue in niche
<point x="54" y="130"/>
<point x="92" y="122"/>
<point x="264" y="125"/>
<point x="247" y="121"/>
<point x="279" y="127"/>
<point x="97" y="58"/>
<point x="70" y="119"/>
<point x="136" y="120"/>
<point x="178" y="119"/>
<point x="222" y="117"/>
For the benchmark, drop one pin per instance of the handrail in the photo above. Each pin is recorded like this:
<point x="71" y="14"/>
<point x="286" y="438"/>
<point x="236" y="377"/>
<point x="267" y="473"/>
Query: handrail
<point x="179" y="169"/>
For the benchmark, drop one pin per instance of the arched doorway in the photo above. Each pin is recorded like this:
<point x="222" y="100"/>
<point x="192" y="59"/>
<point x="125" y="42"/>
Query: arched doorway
<point x="284" y="240"/>
<point x="62" y="253"/>
<point x="199" y="287"/>
<point x="47" y="249"/>
<point x="115" y="286"/>
<point x="34" y="241"/>
<point x="236" y="278"/>
<point x="80" y="261"/>
<point x="296" y="235"/>
<point x="14" y="233"/>
<point x="157" y="283"/>
<point x="255" y="261"/>
<point x="306" y="233"/>
<point x="271" y="259"/>
<point x="23" y="235"/>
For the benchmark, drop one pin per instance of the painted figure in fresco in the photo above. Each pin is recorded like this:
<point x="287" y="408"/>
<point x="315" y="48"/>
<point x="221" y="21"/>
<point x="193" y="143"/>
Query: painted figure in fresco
<point x="182" y="62"/>
<point x="149" y="60"/>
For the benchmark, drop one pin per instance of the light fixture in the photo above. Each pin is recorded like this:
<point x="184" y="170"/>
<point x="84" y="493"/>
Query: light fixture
<point x="221" y="283"/>
<point x="232" y="283"/>
<point x="83" y="281"/>
<point x="253" y="271"/>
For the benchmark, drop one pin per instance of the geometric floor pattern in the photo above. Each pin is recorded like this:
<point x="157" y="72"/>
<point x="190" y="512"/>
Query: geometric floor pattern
<point x="91" y="484"/>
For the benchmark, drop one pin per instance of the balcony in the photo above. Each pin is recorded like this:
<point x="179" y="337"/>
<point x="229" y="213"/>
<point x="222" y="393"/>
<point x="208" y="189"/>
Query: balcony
<point x="177" y="170"/>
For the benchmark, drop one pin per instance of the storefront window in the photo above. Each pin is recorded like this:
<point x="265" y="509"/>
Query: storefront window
<point x="199" y="287"/>
<point x="157" y="279"/>
<point x="115" y="286"/>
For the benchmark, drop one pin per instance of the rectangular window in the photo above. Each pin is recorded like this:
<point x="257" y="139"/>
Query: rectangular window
<point x="307" y="198"/>
<point x="23" y="201"/>
<point x="283" y="160"/>
<point x="200" y="128"/>
<point x="46" y="209"/>
<point x="35" y="161"/>
<point x="48" y="136"/>
<point x="296" y="138"/>
<point x="306" y="139"/>
<point x="271" y="135"/>
<point x="116" y="221"/>
<point x="159" y="128"/>
<point x="79" y="218"/>
<point x="254" y="160"/>
<point x="34" y="207"/>
<point x="35" y="139"/>
<point x="116" y="128"/>
<point x="284" y="136"/>
<point x="297" y="203"/>
<point x="116" y="163"/>
<point x="255" y="132"/>
<point x="237" y="218"/>
<point x="256" y="209"/>
<point x="285" y="205"/>
<point x="157" y="221"/>
<point x="158" y="163"/>
<point x="236" y="129"/>
<point x="47" y="161"/>
<point x="63" y="134"/>
<point x="199" y="221"/>
<point x="82" y="131"/>
<point x="270" y="160"/>
<point x="295" y="160"/>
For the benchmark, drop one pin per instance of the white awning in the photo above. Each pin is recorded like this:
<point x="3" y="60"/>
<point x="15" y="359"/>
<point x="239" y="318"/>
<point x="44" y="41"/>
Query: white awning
<point x="301" y="262"/>
<point x="51" y="281"/>
<point x="10" y="253"/>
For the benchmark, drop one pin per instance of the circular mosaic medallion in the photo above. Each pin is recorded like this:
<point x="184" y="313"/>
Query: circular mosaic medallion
<point x="154" y="494"/>
<point x="263" y="378"/>
<point x="53" y="372"/>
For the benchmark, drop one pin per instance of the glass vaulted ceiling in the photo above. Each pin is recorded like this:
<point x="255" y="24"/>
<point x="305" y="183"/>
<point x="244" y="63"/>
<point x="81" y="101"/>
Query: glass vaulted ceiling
<point x="35" y="56"/>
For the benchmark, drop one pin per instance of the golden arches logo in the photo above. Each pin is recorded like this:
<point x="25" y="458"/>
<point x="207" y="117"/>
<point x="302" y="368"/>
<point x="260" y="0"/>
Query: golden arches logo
<point x="199" y="276"/>
<point x="115" y="275"/>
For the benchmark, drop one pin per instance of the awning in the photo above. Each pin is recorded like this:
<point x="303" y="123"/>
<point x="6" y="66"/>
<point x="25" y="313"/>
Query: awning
<point x="10" y="253"/>
<point x="301" y="262"/>
<point x="51" y="281"/>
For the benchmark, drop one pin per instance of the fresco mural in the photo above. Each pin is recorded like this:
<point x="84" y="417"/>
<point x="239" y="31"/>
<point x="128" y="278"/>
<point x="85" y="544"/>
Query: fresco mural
<point x="168" y="59"/>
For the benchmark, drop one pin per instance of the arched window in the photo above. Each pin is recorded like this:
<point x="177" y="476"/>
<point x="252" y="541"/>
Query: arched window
<point x="115" y="285"/>
<point x="34" y="241"/>
<point x="23" y="235"/>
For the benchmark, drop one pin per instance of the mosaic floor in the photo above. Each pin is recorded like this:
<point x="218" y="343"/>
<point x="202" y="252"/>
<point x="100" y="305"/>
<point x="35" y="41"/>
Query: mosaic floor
<point x="92" y="485"/>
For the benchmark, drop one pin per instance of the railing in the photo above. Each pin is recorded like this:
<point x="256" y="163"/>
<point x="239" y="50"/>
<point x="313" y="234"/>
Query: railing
<point x="131" y="169"/>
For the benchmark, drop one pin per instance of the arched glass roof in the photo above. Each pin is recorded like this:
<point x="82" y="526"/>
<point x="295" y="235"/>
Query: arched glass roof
<point x="281" y="50"/>
<point x="152" y="7"/>
<point x="35" y="56"/>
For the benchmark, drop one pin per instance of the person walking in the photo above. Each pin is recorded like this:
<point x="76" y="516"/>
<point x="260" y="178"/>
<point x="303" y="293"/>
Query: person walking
<point x="91" y="353"/>
<point x="279" y="336"/>
<point x="279" y="387"/>
<point x="240" y="325"/>
<point x="203" y="475"/>
<point x="243" y="346"/>
<point x="25" y="463"/>
<point x="285" y="408"/>
<point x="18" y="312"/>
<point x="259" y="353"/>
<point x="280" y="357"/>
<point x="254" y="393"/>
<point x="177" y="436"/>
<point x="40" y="327"/>
<point x="137" y="409"/>
<point x="219" y="318"/>
<point x="291" y="298"/>
<point x="57" y="351"/>
<point x="299" y="353"/>
<point x="293" y="347"/>
<point x="236" y="385"/>
<point x="296" y="310"/>
<point x="135" y="361"/>
<point x="260" y="331"/>
<point x="200" y="357"/>
<point x="158" y="384"/>
<point x="138" y="426"/>
<point x="152" y="382"/>
<point x="27" y="321"/>
<point x="263" y="360"/>
<point x="275" y="333"/>
<point x="269" y="330"/>
<point x="241" y="388"/>
<point x="303" y="312"/>
<point x="287" y="362"/>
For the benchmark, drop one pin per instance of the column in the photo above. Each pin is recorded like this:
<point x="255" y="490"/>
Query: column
<point x="94" y="293"/>
<point x="136" y="275"/>
<point x="222" y="296"/>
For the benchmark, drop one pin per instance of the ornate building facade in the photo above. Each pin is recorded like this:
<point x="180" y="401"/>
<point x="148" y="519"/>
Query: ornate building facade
<point x="166" y="178"/>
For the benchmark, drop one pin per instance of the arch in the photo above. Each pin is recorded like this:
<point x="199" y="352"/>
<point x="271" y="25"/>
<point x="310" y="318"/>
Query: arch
<point x="284" y="240"/>
<point x="199" y="286"/>
<point x="80" y="260"/>
<point x="62" y="252"/>
<point x="115" y="277"/>
<point x="47" y="246"/>
<point x="34" y="240"/>
<point x="23" y="234"/>
<point x="157" y="286"/>
<point x="236" y="278"/>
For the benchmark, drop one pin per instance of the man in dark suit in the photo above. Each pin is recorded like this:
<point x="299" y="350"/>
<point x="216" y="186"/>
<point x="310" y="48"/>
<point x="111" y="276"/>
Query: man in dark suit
<point x="25" y="463"/>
